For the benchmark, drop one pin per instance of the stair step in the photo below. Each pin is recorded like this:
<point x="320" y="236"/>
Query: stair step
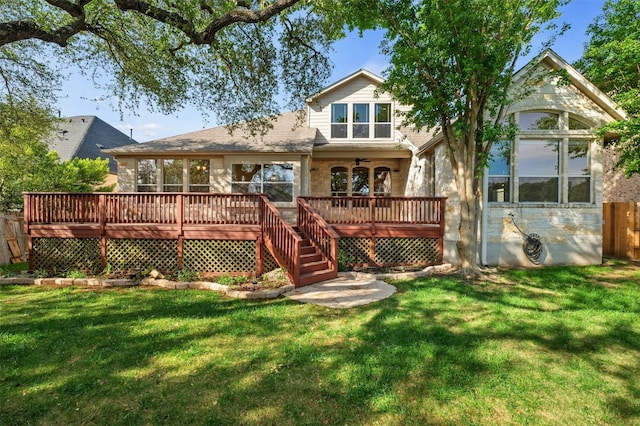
<point x="307" y="250"/>
<point x="306" y="243"/>
<point x="308" y="258"/>
<point x="316" y="277"/>
<point x="313" y="266"/>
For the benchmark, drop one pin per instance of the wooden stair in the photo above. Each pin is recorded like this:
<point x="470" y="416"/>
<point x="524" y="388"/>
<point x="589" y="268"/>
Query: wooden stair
<point x="314" y="267"/>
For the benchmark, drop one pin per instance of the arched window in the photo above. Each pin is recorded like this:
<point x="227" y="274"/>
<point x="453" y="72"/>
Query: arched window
<point x="382" y="181"/>
<point x="339" y="181"/>
<point x="360" y="181"/>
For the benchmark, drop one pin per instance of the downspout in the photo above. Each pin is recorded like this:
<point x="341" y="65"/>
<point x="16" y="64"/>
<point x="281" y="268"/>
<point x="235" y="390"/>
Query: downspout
<point x="484" y="218"/>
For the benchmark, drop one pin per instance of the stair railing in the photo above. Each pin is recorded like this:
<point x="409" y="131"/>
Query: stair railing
<point x="313" y="226"/>
<point x="281" y="239"/>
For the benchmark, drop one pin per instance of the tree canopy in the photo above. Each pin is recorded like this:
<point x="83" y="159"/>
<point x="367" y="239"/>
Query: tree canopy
<point x="237" y="59"/>
<point x="452" y="62"/>
<point x="612" y="62"/>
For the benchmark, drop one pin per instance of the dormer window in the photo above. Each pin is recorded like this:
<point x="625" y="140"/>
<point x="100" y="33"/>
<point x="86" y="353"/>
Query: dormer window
<point x="358" y="124"/>
<point x="383" y="121"/>
<point x="361" y="121"/>
<point x="339" y="121"/>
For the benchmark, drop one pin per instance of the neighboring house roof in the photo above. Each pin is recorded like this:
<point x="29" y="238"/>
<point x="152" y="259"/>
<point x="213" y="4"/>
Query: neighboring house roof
<point x="376" y="79"/>
<point x="553" y="61"/>
<point x="288" y="135"/>
<point x="82" y="136"/>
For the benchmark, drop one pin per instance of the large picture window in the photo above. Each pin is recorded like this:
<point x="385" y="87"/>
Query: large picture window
<point x="539" y="121"/>
<point x="339" y="121"/>
<point x="273" y="180"/>
<point x="147" y="179"/>
<point x="360" y="181"/>
<point x="499" y="176"/>
<point x="578" y="171"/>
<point x="538" y="162"/>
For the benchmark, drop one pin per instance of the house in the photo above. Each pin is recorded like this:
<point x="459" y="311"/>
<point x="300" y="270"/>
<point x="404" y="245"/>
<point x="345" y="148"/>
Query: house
<point x="87" y="136"/>
<point x="548" y="181"/>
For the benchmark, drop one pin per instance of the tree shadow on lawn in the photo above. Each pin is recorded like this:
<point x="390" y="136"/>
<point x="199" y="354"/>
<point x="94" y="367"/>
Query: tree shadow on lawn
<point x="439" y="351"/>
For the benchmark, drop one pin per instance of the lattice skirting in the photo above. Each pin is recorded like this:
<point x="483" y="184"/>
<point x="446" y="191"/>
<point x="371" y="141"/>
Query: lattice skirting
<point x="65" y="254"/>
<point x="391" y="251"/>
<point x="357" y="249"/>
<point x="406" y="251"/>
<point x="219" y="255"/>
<point x="143" y="254"/>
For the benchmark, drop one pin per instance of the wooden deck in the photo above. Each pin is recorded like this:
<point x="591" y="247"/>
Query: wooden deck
<point x="308" y="251"/>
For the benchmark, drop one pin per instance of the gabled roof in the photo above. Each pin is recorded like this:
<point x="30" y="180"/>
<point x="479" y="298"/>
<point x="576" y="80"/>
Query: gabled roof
<point x="552" y="60"/>
<point x="376" y="79"/>
<point x="286" y="136"/>
<point x="82" y="136"/>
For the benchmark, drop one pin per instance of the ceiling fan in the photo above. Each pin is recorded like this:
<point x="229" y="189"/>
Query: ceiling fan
<point x="361" y="160"/>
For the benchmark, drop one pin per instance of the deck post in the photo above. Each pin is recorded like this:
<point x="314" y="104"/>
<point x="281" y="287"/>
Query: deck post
<point x="102" y="220"/>
<point x="179" y="225"/>
<point x="259" y="256"/>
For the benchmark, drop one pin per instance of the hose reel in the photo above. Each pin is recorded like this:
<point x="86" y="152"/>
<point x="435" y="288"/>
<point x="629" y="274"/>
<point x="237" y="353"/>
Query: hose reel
<point x="532" y="245"/>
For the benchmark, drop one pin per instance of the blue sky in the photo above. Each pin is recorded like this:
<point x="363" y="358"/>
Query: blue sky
<point x="79" y="97"/>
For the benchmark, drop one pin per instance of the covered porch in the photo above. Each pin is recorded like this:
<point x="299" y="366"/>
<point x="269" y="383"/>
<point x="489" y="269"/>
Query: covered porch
<point x="230" y="233"/>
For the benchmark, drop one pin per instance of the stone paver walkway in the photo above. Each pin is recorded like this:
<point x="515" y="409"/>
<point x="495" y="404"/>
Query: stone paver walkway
<point x="355" y="289"/>
<point x="343" y="292"/>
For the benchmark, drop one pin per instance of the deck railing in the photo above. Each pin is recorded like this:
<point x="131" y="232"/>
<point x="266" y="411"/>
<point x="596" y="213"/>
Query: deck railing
<point x="319" y="231"/>
<point x="383" y="210"/>
<point x="282" y="239"/>
<point x="132" y="208"/>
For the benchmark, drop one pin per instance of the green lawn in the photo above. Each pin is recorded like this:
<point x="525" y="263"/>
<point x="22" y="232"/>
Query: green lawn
<point x="546" y="346"/>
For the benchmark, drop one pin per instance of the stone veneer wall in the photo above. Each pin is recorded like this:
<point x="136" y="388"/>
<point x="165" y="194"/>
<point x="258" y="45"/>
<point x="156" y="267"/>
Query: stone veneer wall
<point x="320" y="174"/>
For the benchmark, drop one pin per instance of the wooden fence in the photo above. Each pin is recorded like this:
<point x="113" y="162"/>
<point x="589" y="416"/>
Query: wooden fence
<point x="621" y="230"/>
<point x="13" y="240"/>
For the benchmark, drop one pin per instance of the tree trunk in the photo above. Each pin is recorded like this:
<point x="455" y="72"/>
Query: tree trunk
<point x="467" y="244"/>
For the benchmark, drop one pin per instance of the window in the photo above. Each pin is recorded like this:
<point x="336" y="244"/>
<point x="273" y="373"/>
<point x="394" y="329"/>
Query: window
<point x="578" y="171"/>
<point x="172" y="175"/>
<point x="147" y="175"/>
<point x="273" y="180"/>
<point x="539" y="121"/>
<point x="361" y="121"/>
<point x="538" y="171"/>
<point x="382" y="181"/>
<point x="359" y="124"/>
<point x="339" y="181"/>
<point x="339" y="120"/>
<point x="383" y="121"/>
<point x="360" y="181"/>
<point x="499" y="176"/>
<point x="198" y="175"/>
<point x="575" y="124"/>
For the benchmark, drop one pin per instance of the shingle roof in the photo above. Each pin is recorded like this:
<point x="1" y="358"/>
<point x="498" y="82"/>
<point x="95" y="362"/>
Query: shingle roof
<point x="286" y="136"/>
<point x="82" y="136"/>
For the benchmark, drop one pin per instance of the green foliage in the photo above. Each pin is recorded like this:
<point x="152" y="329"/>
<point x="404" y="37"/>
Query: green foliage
<point x="452" y="62"/>
<point x="611" y="60"/>
<point x="239" y="60"/>
<point x="344" y="261"/>
<point x="520" y="347"/>
<point x="74" y="273"/>
<point x="187" y="275"/>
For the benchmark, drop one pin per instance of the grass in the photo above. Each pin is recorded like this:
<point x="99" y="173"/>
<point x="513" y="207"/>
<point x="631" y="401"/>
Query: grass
<point x="554" y="346"/>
